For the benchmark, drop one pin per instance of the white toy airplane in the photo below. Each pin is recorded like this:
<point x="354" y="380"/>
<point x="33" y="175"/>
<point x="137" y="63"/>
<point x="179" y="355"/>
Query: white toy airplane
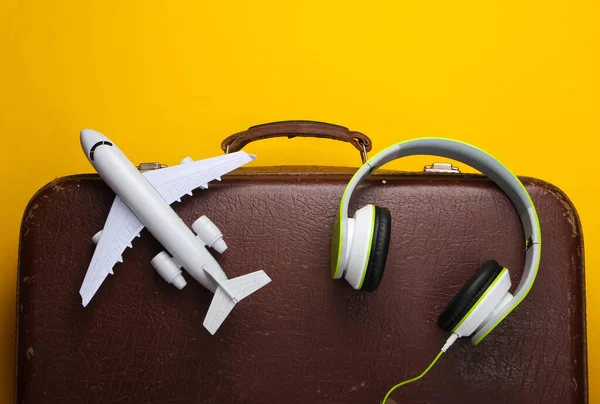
<point x="143" y="199"/>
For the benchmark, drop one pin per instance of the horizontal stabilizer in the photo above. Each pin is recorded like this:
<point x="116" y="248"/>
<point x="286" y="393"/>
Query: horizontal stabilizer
<point x="228" y="294"/>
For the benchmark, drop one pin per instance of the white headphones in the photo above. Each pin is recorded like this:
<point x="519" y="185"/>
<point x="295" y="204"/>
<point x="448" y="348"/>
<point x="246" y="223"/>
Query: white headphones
<point x="360" y="244"/>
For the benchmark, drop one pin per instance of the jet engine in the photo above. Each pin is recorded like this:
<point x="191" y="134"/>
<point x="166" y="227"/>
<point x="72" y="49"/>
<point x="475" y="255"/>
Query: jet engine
<point x="96" y="237"/>
<point x="209" y="234"/>
<point x="168" y="269"/>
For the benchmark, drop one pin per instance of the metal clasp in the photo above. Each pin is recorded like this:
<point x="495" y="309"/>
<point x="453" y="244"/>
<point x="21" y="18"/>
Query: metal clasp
<point x="441" y="168"/>
<point x="151" y="166"/>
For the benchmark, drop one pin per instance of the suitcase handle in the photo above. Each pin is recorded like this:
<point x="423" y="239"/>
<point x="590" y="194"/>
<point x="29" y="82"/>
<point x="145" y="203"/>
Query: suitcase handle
<point x="300" y="128"/>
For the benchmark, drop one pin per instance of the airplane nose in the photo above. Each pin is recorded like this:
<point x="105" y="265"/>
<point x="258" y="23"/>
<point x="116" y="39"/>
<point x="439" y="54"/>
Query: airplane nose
<point x="89" y="138"/>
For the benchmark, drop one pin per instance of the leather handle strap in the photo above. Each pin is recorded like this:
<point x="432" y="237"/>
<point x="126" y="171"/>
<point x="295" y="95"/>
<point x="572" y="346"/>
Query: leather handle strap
<point x="291" y="129"/>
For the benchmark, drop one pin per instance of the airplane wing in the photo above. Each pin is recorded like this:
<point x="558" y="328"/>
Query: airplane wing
<point x="175" y="181"/>
<point x="121" y="227"/>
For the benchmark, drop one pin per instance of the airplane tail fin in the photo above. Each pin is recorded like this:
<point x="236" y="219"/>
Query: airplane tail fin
<point x="227" y="295"/>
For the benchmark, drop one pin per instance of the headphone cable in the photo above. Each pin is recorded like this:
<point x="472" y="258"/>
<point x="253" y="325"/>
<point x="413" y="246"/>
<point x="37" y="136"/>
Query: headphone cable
<point x="447" y="345"/>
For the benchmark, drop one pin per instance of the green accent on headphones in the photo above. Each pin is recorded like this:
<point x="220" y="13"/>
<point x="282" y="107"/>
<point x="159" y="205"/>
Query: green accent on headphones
<point x="528" y="245"/>
<point x="414" y="379"/>
<point x="504" y="270"/>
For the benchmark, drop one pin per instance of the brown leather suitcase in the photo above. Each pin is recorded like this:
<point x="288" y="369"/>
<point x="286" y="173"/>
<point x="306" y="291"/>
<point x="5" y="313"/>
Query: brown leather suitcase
<point x="303" y="338"/>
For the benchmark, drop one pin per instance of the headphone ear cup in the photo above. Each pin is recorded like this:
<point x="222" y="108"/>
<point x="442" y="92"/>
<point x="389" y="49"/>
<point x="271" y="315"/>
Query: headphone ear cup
<point x="360" y="230"/>
<point x="379" y="249"/>
<point x="468" y="295"/>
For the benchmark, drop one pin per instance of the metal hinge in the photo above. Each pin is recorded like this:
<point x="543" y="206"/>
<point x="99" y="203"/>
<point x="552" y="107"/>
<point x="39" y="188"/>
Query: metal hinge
<point x="441" y="168"/>
<point x="151" y="166"/>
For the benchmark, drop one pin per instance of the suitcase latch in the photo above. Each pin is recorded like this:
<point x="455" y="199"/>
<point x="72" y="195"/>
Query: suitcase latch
<point x="150" y="166"/>
<point x="441" y="168"/>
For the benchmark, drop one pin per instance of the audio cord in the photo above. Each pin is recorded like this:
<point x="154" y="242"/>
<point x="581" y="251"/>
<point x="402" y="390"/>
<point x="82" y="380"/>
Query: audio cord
<point x="447" y="345"/>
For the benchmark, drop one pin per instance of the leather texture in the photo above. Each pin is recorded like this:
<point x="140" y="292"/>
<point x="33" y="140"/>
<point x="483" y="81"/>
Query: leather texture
<point x="468" y="295"/>
<point x="304" y="338"/>
<point x="379" y="249"/>
<point x="292" y="129"/>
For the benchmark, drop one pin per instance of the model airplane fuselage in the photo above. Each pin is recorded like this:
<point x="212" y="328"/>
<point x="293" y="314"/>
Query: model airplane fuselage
<point x="148" y="197"/>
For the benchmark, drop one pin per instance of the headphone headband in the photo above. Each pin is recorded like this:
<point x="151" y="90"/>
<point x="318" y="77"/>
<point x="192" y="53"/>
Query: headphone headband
<point x="483" y="162"/>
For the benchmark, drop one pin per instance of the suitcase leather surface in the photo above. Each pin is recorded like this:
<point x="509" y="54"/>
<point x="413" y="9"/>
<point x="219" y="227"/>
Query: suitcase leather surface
<point x="304" y="338"/>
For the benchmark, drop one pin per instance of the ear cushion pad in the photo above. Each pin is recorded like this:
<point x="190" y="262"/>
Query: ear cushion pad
<point x="379" y="249"/>
<point x="466" y="297"/>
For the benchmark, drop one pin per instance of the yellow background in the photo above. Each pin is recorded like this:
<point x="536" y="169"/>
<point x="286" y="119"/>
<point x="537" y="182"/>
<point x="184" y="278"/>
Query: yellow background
<point x="519" y="79"/>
